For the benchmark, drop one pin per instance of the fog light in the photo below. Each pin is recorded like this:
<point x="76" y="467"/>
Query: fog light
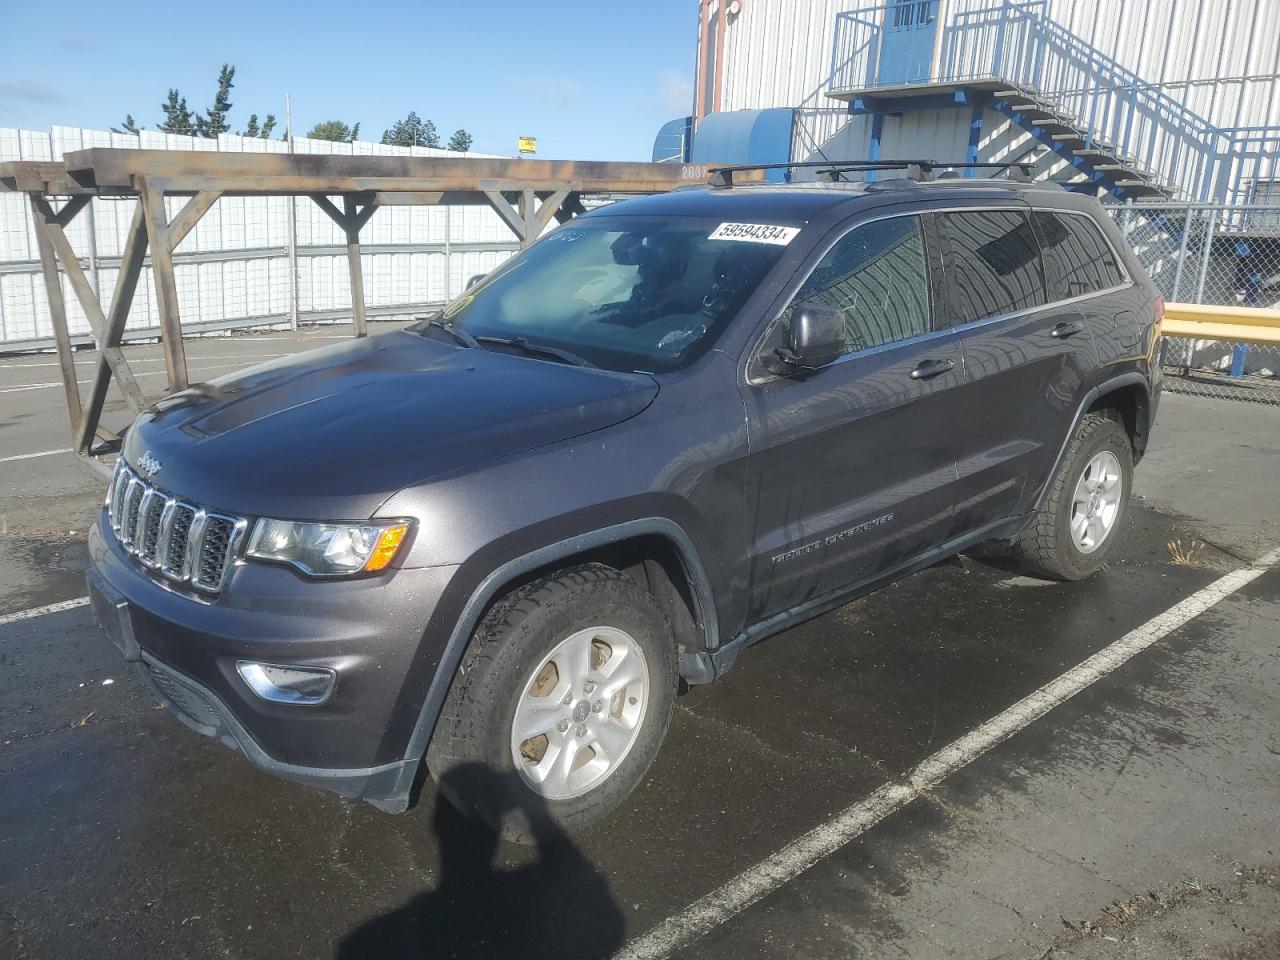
<point x="270" y="681"/>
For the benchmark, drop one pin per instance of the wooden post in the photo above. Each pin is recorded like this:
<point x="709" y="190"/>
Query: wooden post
<point x="528" y="234"/>
<point x="135" y="251"/>
<point x="550" y="208"/>
<point x="153" y="214"/>
<point x="351" y="227"/>
<point x="88" y="298"/>
<point x="508" y="213"/>
<point x="351" y="220"/>
<point x="570" y="208"/>
<point x="57" y="313"/>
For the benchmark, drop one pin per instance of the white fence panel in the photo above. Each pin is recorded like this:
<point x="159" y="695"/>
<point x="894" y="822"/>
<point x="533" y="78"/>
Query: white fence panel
<point x="233" y="268"/>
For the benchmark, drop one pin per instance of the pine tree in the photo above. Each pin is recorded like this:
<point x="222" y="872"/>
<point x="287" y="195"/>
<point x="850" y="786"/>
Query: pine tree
<point x="429" y="136"/>
<point x="128" y="126"/>
<point x="460" y="141"/>
<point x="263" y="130"/>
<point x="177" y="118"/>
<point x="412" y="131"/>
<point x="214" y="120"/>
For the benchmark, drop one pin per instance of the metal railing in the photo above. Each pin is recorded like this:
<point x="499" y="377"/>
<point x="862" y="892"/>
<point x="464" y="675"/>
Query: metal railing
<point x="859" y="42"/>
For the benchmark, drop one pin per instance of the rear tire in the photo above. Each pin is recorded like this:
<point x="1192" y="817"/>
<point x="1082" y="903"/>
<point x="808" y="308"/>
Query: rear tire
<point x="584" y="662"/>
<point x="1079" y="519"/>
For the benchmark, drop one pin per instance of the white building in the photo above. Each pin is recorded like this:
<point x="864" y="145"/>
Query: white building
<point x="1133" y="98"/>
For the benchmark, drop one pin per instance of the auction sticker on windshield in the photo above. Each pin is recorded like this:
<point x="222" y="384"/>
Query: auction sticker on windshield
<point x="755" y="233"/>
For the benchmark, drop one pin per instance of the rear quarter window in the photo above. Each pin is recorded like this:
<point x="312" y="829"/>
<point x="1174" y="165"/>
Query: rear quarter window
<point x="1078" y="260"/>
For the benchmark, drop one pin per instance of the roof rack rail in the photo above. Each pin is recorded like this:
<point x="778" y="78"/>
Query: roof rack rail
<point x="920" y="171"/>
<point x="722" y="177"/>
<point x="1019" y="170"/>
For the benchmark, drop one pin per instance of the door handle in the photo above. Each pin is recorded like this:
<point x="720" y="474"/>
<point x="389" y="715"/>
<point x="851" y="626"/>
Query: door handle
<point x="1068" y="328"/>
<point x="928" y="369"/>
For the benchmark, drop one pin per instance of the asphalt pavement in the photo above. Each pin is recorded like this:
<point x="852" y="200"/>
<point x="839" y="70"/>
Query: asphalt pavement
<point x="787" y="815"/>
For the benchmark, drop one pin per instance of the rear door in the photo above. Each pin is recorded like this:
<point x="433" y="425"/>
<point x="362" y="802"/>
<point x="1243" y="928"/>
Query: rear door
<point x="853" y="466"/>
<point x="1026" y="355"/>
<point x="1082" y="269"/>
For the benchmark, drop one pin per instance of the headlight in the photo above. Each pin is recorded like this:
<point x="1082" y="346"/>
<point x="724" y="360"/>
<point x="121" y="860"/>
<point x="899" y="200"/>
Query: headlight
<point x="328" y="549"/>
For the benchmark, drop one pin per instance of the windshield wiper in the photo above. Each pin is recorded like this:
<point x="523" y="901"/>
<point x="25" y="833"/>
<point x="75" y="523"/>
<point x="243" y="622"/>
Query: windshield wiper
<point x="535" y="349"/>
<point x="464" y="338"/>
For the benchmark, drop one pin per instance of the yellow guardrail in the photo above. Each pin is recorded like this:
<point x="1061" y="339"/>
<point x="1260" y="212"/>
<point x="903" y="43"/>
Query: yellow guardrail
<point x="1233" y="324"/>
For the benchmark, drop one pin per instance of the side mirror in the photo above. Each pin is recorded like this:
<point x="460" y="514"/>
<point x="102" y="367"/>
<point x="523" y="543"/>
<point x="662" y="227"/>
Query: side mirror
<point x="817" y="337"/>
<point x="474" y="280"/>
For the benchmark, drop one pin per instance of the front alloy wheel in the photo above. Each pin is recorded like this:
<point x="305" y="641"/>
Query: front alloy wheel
<point x="559" y="706"/>
<point x="580" y="712"/>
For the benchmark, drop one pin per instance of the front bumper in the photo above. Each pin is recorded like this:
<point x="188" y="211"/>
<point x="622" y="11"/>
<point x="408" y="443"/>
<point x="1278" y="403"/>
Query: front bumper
<point x="372" y="632"/>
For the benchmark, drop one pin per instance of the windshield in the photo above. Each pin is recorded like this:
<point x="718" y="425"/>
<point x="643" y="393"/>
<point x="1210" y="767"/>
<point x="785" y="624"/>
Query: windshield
<point x="624" y="293"/>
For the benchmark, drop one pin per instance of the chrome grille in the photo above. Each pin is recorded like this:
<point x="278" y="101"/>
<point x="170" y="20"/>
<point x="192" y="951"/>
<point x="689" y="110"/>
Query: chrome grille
<point x="174" y="563"/>
<point x="132" y="505"/>
<point x="215" y="547"/>
<point x="181" y="541"/>
<point x="149" y="516"/>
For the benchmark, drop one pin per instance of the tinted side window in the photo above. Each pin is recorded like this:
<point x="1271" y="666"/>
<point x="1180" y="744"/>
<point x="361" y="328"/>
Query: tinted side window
<point x="877" y="275"/>
<point x="994" y="263"/>
<point x="1077" y="258"/>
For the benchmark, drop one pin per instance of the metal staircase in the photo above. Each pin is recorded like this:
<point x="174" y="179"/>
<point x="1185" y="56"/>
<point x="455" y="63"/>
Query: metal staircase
<point x="1100" y="163"/>
<point x="1108" y="128"/>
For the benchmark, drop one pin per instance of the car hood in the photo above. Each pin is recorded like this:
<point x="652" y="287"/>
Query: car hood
<point x="331" y="433"/>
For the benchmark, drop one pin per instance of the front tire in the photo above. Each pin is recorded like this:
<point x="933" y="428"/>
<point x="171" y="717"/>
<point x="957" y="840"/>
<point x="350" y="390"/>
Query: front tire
<point x="565" y="693"/>
<point x="1079" y="519"/>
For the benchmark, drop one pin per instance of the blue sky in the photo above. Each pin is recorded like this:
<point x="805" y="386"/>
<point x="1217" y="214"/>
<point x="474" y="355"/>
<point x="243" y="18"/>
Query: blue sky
<point x="591" y="80"/>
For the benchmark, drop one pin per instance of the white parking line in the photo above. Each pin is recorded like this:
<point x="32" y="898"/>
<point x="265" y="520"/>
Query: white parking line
<point x="89" y="359"/>
<point x="36" y="386"/>
<point x="200" y="368"/>
<point x="756" y="882"/>
<point x="41" y="611"/>
<point x="32" y="456"/>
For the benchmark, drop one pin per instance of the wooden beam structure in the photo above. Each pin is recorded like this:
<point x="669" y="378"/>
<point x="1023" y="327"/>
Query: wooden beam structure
<point x="526" y="194"/>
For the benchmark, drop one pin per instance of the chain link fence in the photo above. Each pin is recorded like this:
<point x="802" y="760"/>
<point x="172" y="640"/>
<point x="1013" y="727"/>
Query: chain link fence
<point x="1227" y="255"/>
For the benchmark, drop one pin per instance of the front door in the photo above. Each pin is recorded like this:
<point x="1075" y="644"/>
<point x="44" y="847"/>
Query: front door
<point x="906" y="42"/>
<point x="853" y="465"/>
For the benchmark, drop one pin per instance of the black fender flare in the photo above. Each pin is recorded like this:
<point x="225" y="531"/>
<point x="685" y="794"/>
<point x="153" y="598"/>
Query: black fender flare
<point x="497" y="579"/>
<point x="1110" y="385"/>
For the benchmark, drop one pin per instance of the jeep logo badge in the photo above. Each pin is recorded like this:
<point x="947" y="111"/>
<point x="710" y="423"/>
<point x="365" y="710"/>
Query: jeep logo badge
<point x="148" y="465"/>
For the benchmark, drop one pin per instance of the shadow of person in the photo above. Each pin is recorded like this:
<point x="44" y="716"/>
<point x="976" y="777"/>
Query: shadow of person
<point x="557" y="906"/>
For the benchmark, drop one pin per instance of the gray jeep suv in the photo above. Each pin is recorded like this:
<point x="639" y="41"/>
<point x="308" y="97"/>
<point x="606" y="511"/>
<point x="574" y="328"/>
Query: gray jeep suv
<point x="668" y="429"/>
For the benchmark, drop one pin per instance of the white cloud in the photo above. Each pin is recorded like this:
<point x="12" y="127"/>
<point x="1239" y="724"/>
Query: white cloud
<point x="675" y="91"/>
<point x="30" y="91"/>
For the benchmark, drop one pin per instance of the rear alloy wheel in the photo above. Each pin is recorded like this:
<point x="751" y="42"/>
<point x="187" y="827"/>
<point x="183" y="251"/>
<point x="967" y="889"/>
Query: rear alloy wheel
<point x="1095" y="507"/>
<point x="559" y="706"/>
<point x="1078" y="521"/>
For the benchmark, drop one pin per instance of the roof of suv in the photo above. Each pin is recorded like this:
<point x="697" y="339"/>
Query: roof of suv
<point x="806" y="200"/>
